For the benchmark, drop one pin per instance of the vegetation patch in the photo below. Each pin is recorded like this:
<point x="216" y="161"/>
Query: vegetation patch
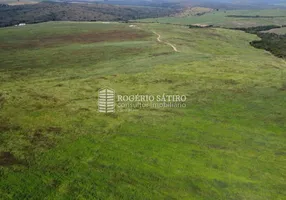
<point x="84" y="38"/>
<point x="2" y="100"/>
<point x="279" y="31"/>
<point x="257" y="29"/>
<point x="194" y="11"/>
<point x="251" y="16"/>
<point x="200" y="26"/>
<point x="6" y="125"/>
<point x="50" y="11"/>
<point x="272" y="42"/>
<point x="283" y="86"/>
<point x="40" y="137"/>
<point x="8" y="159"/>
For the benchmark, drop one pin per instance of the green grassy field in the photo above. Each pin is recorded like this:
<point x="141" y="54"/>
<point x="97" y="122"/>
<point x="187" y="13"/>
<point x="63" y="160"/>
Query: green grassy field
<point x="20" y="2"/>
<point x="219" y="18"/>
<point x="228" y="143"/>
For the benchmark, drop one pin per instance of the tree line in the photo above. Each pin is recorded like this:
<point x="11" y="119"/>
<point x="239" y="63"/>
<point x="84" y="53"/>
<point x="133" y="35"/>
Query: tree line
<point x="51" y="11"/>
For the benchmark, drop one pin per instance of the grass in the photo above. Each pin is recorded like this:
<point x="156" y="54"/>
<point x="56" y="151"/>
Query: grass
<point x="219" y="18"/>
<point x="20" y="2"/>
<point x="228" y="143"/>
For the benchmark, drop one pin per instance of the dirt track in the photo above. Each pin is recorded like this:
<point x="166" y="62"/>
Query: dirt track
<point x="159" y="40"/>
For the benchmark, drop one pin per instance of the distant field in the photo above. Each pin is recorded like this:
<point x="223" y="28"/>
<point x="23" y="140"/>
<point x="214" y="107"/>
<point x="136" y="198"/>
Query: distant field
<point x="20" y="2"/>
<point x="219" y="18"/>
<point x="228" y="143"/>
<point x="280" y="31"/>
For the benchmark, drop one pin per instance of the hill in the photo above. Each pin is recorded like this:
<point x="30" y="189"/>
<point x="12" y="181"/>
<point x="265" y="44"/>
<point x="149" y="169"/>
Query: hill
<point x="48" y="11"/>
<point x="194" y="11"/>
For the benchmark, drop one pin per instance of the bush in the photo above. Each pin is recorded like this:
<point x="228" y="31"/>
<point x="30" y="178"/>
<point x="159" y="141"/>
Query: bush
<point x="272" y="42"/>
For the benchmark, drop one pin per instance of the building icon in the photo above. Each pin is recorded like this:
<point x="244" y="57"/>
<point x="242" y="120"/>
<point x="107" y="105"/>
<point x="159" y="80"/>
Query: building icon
<point x="106" y="101"/>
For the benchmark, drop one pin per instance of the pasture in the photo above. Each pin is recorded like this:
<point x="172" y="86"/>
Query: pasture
<point x="20" y="2"/>
<point x="221" y="18"/>
<point x="228" y="143"/>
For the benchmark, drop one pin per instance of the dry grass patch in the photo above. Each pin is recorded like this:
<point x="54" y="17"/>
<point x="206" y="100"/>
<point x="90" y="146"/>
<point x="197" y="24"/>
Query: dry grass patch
<point x="85" y="38"/>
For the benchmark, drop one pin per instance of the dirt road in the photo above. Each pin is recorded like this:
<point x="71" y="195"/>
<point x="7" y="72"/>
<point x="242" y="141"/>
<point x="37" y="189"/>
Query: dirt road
<point x="168" y="43"/>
